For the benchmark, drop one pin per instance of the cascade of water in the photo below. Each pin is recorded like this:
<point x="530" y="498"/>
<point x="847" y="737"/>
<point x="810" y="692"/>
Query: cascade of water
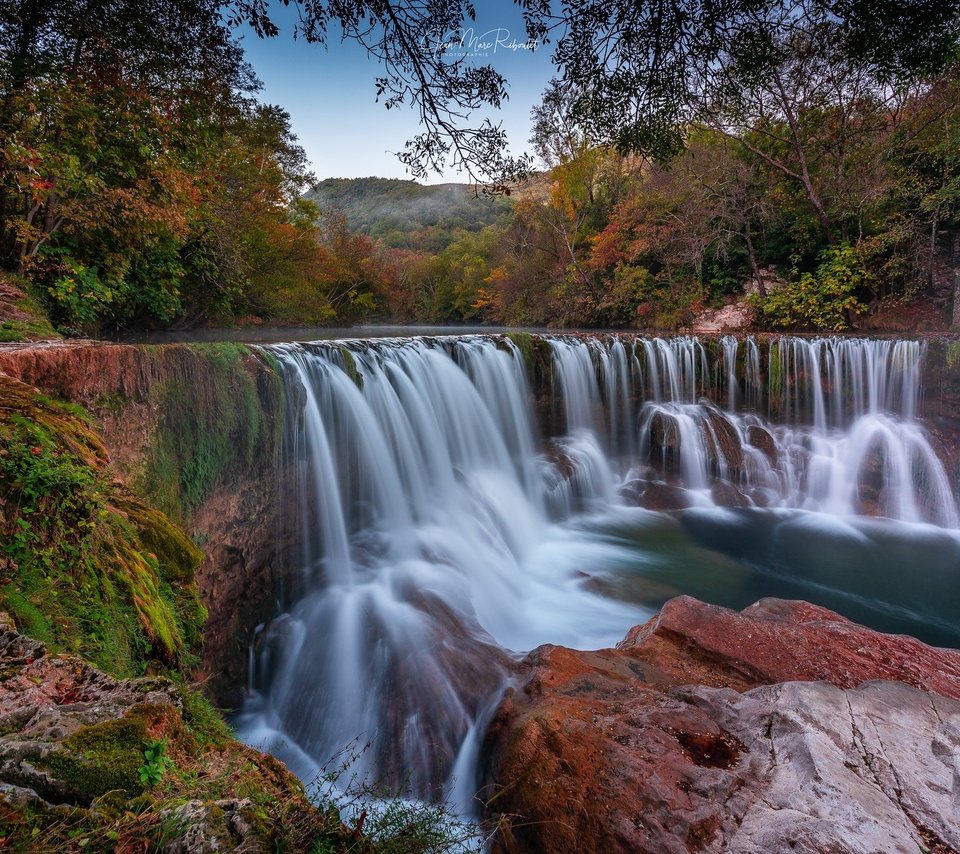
<point x="751" y="362"/>
<point x="730" y="344"/>
<point x="424" y="514"/>
<point x="439" y="530"/>
<point x="841" y="435"/>
<point x="578" y="388"/>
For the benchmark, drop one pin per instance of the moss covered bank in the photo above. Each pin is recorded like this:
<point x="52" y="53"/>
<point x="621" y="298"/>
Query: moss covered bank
<point x="195" y="432"/>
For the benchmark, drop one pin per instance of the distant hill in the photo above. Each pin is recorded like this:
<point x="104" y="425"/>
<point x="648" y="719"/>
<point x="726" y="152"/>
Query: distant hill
<point x="409" y="215"/>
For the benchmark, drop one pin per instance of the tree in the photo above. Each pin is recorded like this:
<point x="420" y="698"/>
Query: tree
<point x="556" y="136"/>
<point x="408" y="40"/>
<point x="647" y="70"/>
<point x="140" y="182"/>
<point x="926" y="167"/>
<point x="639" y="71"/>
<point x="92" y="88"/>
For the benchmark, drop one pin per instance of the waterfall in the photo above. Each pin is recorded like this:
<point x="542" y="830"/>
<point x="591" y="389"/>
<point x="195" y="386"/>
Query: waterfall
<point x="424" y="509"/>
<point x="838" y="431"/>
<point x="444" y="531"/>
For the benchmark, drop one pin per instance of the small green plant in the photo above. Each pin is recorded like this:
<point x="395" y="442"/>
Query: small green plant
<point x="157" y="763"/>
<point x="824" y="300"/>
<point x="953" y="354"/>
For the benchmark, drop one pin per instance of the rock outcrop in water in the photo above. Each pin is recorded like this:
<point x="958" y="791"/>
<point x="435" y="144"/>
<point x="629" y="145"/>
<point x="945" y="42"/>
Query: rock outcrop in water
<point x="780" y="728"/>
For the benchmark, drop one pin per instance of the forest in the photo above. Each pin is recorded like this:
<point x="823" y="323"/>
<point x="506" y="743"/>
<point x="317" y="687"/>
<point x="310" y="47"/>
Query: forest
<point x="144" y="185"/>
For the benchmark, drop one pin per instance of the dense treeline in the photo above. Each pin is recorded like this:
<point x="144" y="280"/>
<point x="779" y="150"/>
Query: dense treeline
<point x="142" y="182"/>
<point x="803" y="150"/>
<point x="828" y="198"/>
<point x="816" y="165"/>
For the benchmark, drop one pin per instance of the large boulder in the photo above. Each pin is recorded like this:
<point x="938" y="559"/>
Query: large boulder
<point x="708" y="729"/>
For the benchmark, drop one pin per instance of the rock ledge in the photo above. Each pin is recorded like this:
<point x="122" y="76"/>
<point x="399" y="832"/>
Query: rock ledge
<point x="783" y="727"/>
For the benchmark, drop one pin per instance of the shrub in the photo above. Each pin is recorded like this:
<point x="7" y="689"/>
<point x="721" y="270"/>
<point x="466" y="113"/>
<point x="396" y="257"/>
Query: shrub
<point x="823" y="300"/>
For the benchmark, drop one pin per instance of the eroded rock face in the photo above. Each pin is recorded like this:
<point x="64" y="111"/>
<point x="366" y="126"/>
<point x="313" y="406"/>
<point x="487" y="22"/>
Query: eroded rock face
<point x="707" y="729"/>
<point x="247" y="575"/>
<point x="762" y="439"/>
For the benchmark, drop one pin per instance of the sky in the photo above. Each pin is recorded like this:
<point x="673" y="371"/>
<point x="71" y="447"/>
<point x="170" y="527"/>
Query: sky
<point x="330" y="95"/>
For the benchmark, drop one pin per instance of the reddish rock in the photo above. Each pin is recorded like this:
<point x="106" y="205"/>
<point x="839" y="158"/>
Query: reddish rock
<point x="725" y="494"/>
<point x="723" y="440"/>
<point x="664" y="496"/>
<point x="607" y="751"/>
<point x="762" y="439"/>
<point x="774" y="640"/>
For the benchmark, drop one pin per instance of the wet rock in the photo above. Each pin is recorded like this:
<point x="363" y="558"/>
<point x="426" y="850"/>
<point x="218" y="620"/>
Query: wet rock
<point x="725" y="440"/>
<point x="664" y="438"/>
<point x="725" y="494"/>
<point x="632" y="491"/>
<point x="712" y="730"/>
<point x="560" y="459"/>
<point x="664" y="497"/>
<point x="762" y="439"/>
<point x="871" y="480"/>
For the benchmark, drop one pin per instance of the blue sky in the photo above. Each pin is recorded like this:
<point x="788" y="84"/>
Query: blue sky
<point x="330" y="94"/>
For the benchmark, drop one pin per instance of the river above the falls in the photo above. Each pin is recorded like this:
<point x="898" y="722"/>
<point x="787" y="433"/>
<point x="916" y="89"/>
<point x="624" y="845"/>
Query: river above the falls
<point x="464" y="499"/>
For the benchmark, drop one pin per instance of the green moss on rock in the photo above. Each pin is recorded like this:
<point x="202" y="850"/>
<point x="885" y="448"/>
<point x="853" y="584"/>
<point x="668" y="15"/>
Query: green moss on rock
<point x="100" y="759"/>
<point x="84" y="565"/>
<point x="349" y="364"/>
<point x="217" y="414"/>
<point x="953" y="354"/>
<point x="22" y="317"/>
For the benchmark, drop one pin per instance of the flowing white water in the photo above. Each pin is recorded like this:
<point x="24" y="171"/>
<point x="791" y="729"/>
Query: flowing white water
<point x="441" y="533"/>
<point x="428" y="549"/>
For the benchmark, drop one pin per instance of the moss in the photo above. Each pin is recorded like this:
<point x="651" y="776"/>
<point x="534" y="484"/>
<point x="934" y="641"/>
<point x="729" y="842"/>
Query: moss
<point x="953" y="354"/>
<point x="349" y="364"/>
<point x="537" y="356"/>
<point x="774" y="372"/>
<point x="216" y="419"/>
<point x="100" y="759"/>
<point x="114" y="402"/>
<point x="203" y="720"/>
<point x="87" y="567"/>
<point x="177" y="555"/>
<point x="18" y="599"/>
<point x="155" y="611"/>
<point x="25" y="319"/>
<point x="106" y="757"/>
<point x="524" y="343"/>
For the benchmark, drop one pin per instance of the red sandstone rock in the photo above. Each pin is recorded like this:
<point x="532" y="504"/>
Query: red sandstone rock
<point x="605" y="751"/>
<point x="775" y="640"/>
